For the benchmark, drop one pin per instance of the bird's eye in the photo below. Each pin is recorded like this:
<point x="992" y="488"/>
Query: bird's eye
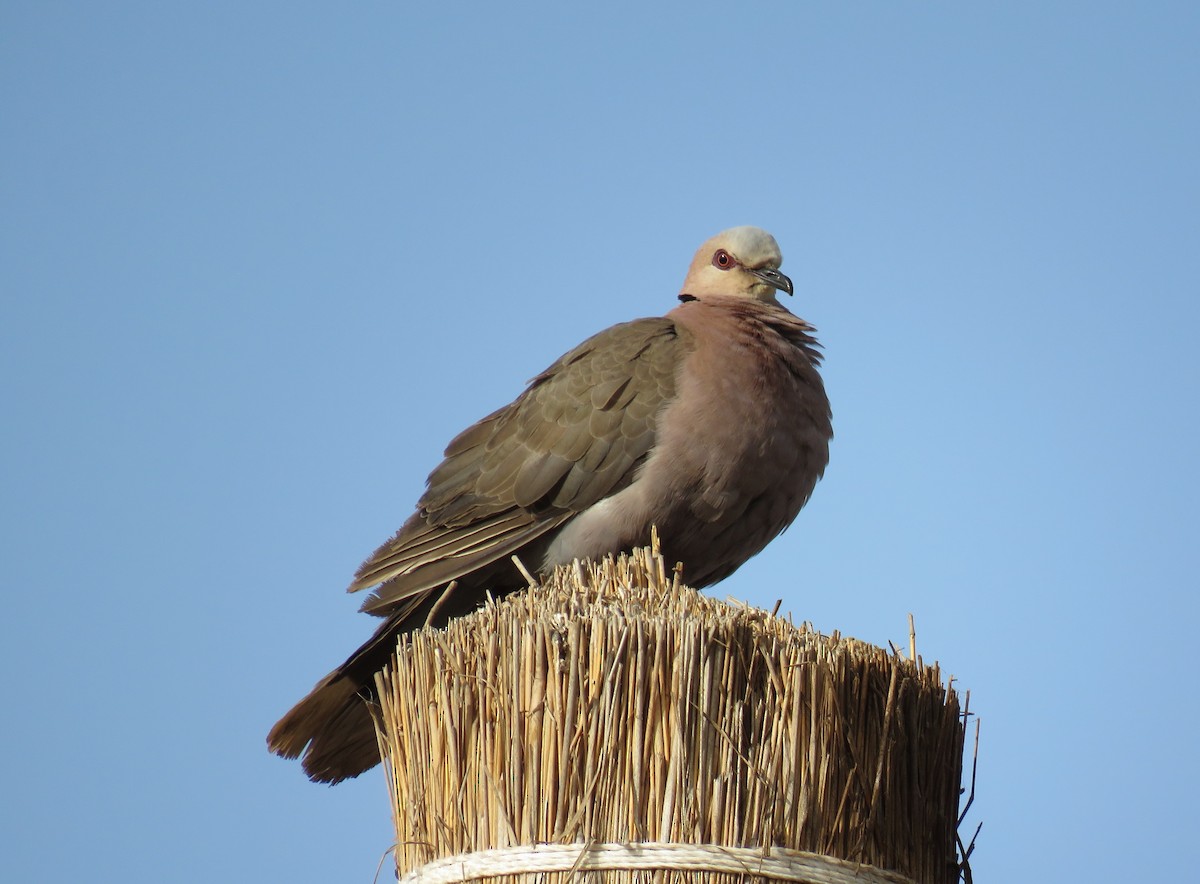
<point x="722" y="260"/>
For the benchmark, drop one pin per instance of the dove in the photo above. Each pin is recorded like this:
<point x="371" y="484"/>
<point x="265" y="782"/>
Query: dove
<point x="710" y="424"/>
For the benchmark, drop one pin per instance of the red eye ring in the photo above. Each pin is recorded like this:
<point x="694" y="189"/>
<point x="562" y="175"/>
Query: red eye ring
<point x="722" y="260"/>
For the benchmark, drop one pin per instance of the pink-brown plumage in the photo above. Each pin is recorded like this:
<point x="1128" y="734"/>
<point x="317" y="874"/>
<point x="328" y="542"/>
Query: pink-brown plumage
<point x="710" y="423"/>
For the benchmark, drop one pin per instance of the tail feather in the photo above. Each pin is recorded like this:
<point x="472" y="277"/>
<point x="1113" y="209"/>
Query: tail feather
<point x="332" y="729"/>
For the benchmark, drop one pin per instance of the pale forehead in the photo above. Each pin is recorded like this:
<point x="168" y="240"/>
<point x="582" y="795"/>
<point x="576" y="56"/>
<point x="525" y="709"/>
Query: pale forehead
<point x="751" y="244"/>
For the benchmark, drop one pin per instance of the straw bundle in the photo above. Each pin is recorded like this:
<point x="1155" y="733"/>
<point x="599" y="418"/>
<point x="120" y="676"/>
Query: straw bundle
<point x="612" y="707"/>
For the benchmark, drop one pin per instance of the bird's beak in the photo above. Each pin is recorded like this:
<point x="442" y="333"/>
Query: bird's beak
<point x="773" y="278"/>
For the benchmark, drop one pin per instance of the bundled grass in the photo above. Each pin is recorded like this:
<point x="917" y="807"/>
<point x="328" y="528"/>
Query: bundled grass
<point x="612" y="704"/>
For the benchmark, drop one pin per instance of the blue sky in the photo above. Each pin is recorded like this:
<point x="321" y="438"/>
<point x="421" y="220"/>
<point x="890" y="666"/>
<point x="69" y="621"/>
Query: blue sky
<point x="259" y="262"/>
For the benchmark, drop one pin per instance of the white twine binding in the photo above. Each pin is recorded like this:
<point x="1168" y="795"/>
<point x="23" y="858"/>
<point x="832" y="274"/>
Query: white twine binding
<point x="776" y="863"/>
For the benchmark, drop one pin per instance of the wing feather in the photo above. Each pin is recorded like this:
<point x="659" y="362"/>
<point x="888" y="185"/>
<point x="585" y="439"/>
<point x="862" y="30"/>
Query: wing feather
<point x="575" y="436"/>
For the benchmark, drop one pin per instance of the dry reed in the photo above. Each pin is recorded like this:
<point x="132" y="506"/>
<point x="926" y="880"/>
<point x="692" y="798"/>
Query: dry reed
<point x="611" y="704"/>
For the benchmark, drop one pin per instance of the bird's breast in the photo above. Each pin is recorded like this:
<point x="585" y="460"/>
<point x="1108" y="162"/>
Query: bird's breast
<point x="737" y="451"/>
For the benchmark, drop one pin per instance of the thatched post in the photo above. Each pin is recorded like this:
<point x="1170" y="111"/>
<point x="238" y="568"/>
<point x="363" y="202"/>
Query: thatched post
<point x="613" y="722"/>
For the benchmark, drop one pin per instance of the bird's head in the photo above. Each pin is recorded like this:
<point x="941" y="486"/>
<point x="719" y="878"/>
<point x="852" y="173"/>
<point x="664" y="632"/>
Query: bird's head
<point x="741" y="261"/>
